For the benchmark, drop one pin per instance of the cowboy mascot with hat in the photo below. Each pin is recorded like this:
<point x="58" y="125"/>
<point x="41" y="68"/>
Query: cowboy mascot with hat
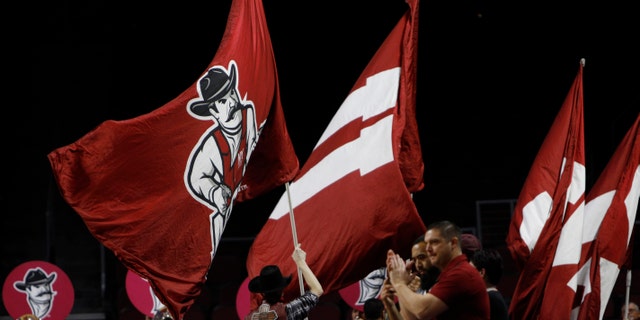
<point x="37" y="286"/>
<point x="217" y="164"/>
<point x="270" y="284"/>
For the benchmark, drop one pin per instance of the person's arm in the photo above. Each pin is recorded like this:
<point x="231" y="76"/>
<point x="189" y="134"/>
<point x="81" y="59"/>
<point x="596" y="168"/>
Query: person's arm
<point x="412" y="305"/>
<point x="300" y="257"/>
<point x="415" y="283"/>
<point x="387" y="296"/>
<point x="415" y="306"/>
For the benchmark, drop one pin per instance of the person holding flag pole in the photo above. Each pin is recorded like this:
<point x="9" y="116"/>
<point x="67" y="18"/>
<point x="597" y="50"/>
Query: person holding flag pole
<point x="294" y="233"/>
<point x="270" y="283"/>
<point x="356" y="184"/>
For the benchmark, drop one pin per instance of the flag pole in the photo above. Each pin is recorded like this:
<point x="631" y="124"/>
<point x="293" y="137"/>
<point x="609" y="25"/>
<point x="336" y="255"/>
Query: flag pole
<point x="626" y="296"/>
<point x="295" y="235"/>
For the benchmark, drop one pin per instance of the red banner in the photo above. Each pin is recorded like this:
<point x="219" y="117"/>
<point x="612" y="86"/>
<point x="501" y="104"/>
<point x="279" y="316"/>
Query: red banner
<point x="610" y="215"/>
<point x="158" y="189"/>
<point x="352" y="201"/>
<point x="549" y="208"/>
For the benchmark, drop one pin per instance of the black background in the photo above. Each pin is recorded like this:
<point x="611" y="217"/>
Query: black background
<point x="492" y="77"/>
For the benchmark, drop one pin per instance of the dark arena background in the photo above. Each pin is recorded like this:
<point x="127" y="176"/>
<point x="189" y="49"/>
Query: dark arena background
<point x="492" y="76"/>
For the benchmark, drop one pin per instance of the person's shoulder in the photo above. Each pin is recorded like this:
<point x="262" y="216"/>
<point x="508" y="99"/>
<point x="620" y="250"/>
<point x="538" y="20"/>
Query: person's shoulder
<point x="461" y="264"/>
<point x="495" y="294"/>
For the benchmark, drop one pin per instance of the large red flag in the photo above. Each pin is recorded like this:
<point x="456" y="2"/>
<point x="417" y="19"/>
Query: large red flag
<point x="552" y="193"/>
<point x="351" y="203"/>
<point x="610" y="214"/>
<point x="158" y="189"/>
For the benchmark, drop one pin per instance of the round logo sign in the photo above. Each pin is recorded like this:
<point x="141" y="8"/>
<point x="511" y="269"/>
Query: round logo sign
<point x="38" y="288"/>
<point x="243" y="299"/>
<point x="357" y="293"/>
<point x="141" y="295"/>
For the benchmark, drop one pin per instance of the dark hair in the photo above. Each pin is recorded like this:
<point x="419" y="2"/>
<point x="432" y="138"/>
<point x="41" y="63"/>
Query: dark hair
<point x="429" y="278"/>
<point x="491" y="261"/>
<point x="272" y="297"/>
<point x="447" y="229"/>
<point x="373" y="308"/>
<point x="419" y="239"/>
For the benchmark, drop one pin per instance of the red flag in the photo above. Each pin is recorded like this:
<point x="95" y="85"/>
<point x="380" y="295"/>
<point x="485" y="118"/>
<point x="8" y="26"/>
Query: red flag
<point x="351" y="203"/>
<point x="613" y="203"/>
<point x="158" y="189"/>
<point x="553" y="192"/>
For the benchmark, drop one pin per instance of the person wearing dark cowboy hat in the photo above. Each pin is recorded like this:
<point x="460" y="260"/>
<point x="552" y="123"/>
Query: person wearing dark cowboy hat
<point x="270" y="283"/>
<point x="217" y="164"/>
<point x="37" y="286"/>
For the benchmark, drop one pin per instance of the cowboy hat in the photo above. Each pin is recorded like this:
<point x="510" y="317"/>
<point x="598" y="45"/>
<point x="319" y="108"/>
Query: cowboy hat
<point x="34" y="277"/>
<point x="269" y="280"/>
<point x="213" y="86"/>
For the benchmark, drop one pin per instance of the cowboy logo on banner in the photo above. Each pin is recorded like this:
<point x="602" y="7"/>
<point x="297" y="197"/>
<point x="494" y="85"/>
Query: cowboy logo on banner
<point x="227" y="145"/>
<point x="180" y="169"/>
<point x="39" y="289"/>
<point x="356" y="294"/>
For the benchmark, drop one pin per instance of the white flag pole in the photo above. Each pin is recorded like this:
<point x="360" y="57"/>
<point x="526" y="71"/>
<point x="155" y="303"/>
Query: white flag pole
<point x="295" y="235"/>
<point x="626" y="297"/>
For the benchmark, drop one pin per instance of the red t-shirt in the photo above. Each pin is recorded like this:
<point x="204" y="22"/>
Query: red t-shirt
<point x="462" y="289"/>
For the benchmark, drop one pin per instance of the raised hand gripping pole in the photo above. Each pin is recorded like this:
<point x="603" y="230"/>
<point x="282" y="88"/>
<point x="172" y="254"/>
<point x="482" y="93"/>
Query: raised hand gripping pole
<point x="295" y="235"/>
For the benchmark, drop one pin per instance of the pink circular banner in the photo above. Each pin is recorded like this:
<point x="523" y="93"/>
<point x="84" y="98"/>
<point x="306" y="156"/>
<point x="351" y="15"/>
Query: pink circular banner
<point x="38" y="288"/>
<point x="141" y="295"/>
<point x="243" y="299"/>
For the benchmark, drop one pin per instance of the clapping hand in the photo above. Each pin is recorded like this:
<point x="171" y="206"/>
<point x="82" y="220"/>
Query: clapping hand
<point x="397" y="269"/>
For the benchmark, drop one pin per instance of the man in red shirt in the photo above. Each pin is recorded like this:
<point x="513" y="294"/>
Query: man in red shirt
<point x="459" y="292"/>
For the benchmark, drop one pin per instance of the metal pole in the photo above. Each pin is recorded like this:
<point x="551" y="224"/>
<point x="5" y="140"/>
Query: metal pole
<point x="626" y="297"/>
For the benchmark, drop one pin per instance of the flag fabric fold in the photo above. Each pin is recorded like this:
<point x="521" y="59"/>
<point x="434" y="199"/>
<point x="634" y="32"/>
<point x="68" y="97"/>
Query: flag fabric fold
<point x="351" y="200"/>
<point x="549" y="212"/>
<point x="158" y="189"/>
<point x="610" y="214"/>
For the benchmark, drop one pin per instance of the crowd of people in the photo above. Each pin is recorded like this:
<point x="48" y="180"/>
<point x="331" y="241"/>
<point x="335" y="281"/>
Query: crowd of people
<point x="449" y="276"/>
